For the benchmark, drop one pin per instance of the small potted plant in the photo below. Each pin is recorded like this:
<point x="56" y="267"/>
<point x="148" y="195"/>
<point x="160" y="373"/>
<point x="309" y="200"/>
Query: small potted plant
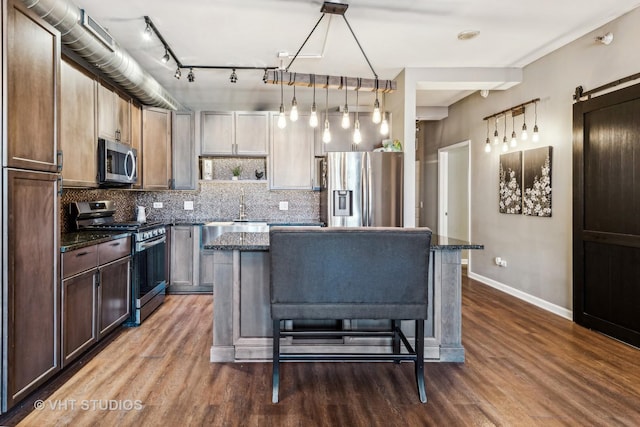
<point x="236" y="172"/>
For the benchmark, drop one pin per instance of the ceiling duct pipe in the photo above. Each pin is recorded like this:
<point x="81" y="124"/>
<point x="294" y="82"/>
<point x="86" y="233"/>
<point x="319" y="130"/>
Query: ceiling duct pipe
<point x="113" y="61"/>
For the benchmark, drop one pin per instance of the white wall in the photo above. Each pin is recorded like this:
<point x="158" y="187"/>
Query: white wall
<point x="538" y="250"/>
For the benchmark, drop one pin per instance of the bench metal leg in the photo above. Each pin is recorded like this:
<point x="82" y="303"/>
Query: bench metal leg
<point x="395" y="324"/>
<point x="276" y="361"/>
<point x="420" y="360"/>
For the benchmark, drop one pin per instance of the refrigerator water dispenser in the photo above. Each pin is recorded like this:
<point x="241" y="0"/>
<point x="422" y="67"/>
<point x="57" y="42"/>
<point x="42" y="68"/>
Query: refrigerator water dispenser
<point x="342" y="202"/>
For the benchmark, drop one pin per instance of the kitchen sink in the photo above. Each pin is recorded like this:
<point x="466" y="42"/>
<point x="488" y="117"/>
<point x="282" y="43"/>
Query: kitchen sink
<point x="213" y="230"/>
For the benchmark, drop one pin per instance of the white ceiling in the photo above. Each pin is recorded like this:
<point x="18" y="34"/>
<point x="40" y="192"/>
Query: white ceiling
<point x="394" y="34"/>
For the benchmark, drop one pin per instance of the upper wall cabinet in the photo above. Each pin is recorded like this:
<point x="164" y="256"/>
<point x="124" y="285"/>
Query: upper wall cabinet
<point x="342" y="139"/>
<point x="156" y="149"/>
<point x="136" y="139"/>
<point x="78" y="127"/>
<point x="235" y="133"/>
<point x="184" y="155"/>
<point x="33" y="93"/>
<point x="114" y="116"/>
<point x="291" y="159"/>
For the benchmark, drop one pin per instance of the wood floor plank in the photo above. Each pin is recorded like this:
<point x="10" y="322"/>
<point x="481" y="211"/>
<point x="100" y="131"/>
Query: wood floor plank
<point x="524" y="367"/>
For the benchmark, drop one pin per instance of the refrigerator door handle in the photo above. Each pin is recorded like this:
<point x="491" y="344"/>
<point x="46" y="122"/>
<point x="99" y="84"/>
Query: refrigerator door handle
<point x="364" y="192"/>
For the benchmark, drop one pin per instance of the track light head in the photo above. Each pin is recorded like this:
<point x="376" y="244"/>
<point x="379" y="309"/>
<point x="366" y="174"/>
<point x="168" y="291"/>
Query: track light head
<point x="178" y="73"/>
<point x="234" y="77"/>
<point x="191" y="77"/>
<point x="147" y="32"/>
<point x="166" y="56"/>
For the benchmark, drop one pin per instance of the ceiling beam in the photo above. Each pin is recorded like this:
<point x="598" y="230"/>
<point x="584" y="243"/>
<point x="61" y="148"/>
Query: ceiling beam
<point x="334" y="82"/>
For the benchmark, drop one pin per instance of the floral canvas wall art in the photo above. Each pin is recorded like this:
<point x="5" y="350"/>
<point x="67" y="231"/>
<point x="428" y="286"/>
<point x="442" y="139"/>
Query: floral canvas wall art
<point x="537" y="182"/>
<point x="511" y="183"/>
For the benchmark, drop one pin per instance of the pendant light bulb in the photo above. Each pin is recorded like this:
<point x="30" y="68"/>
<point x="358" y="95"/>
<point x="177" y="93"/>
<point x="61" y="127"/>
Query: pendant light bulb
<point x="313" y="118"/>
<point x="487" y="146"/>
<point x="346" y="121"/>
<point x="293" y="114"/>
<point x="357" y="136"/>
<point x="384" y="126"/>
<point x="377" y="117"/>
<point x="326" y="133"/>
<point x="282" y="119"/>
<point x="505" y="146"/>
<point x="514" y="138"/>
<point x="536" y="134"/>
<point x="496" y="138"/>
<point x="524" y="135"/>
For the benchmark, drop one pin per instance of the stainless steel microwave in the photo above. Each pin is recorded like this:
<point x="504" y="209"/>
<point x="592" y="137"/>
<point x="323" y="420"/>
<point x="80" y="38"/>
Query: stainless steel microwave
<point x="117" y="163"/>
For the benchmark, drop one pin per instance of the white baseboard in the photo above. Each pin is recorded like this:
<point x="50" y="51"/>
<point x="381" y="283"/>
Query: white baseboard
<point x="538" y="302"/>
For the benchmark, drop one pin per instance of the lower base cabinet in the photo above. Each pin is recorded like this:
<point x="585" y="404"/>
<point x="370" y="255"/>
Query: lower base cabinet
<point x="96" y="294"/>
<point x="191" y="268"/>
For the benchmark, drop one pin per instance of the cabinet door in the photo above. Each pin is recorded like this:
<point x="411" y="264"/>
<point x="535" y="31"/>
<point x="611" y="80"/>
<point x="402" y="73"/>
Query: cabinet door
<point x="123" y="120"/>
<point x="182" y="256"/>
<point x="78" y="136"/>
<point x="184" y="153"/>
<point x="291" y="158"/>
<point x="136" y="140"/>
<point x="217" y="133"/>
<point x="252" y="133"/>
<point x="156" y="147"/>
<point x="342" y="139"/>
<point x="114" y="295"/>
<point x="33" y="93"/>
<point x="106" y="113"/>
<point x="206" y="270"/>
<point x="79" y="301"/>
<point x="32" y="288"/>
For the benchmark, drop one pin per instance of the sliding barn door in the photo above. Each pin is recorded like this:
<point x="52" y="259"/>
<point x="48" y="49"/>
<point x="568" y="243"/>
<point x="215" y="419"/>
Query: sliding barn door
<point x="606" y="206"/>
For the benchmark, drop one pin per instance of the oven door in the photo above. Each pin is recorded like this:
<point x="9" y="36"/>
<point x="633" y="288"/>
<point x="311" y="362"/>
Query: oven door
<point x="149" y="264"/>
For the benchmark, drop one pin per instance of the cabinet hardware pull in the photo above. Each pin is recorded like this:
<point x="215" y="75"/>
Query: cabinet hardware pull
<point x="81" y="254"/>
<point x="60" y="186"/>
<point x="60" y="160"/>
<point x="115" y="244"/>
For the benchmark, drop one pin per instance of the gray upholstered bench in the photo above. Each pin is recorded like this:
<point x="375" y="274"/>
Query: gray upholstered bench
<point x="350" y="273"/>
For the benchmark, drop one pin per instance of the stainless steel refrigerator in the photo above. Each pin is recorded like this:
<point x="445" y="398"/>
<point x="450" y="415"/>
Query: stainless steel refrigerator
<point x="362" y="189"/>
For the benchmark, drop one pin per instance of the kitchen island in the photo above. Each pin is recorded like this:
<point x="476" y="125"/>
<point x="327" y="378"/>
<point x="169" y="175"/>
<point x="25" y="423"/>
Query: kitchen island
<point x="241" y="315"/>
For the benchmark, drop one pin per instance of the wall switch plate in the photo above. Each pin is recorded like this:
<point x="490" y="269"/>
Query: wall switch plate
<point x="157" y="205"/>
<point x="188" y="205"/>
<point x="284" y="206"/>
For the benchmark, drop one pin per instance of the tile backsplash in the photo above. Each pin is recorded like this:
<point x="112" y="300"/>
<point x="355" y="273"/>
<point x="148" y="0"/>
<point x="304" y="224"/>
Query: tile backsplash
<point x="213" y="200"/>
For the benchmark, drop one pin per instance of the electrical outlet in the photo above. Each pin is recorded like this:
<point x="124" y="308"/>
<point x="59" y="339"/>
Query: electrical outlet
<point x="157" y="205"/>
<point x="500" y="262"/>
<point x="284" y="206"/>
<point x="188" y="205"/>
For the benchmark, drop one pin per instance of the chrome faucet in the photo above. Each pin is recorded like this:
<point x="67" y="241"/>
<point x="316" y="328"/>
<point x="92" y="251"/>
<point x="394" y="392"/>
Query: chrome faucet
<point x="243" y="208"/>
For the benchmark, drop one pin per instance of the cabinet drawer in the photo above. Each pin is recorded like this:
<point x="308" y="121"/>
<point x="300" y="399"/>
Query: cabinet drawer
<point x="110" y="251"/>
<point x="79" y="260"/>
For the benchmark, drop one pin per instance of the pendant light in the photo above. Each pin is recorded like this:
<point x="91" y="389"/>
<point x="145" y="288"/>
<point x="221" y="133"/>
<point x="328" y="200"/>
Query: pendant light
<point x="496" y="139"/>
<point x="536" y="135"/>
<point x="326" y="133"/>
<point x="313" y="118"/>
<point x="384" y="126"/>
<point x="293" y="114"/>
<point x="514" y="139"/>
<point x="376" y="118"/>
<point x="346" y="122"/>
<point x="505" y="146"/>
<point x="357" y="137"/>
<point x="524" y="135"/>
<point x="487" y="145"/>
<point x="282" y="119"/>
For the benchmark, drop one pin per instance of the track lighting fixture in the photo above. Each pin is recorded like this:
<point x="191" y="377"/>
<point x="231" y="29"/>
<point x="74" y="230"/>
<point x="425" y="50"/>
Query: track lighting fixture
<point x="293" y="114"/>
<point x="376" y="117"/>
<point x="282" y="119"/>
<point x="313" y="118"/>
<point x="326" y="134"/>
<point x="166" y="57"/>
<point x="514" y="139"/>
<point x="346" y="122"/>
<point x="357" y="136"/>
<point x="178" y="73"/>
<point x="487" y="145"/>
<point x="234" y="77"/>
<point x="191" y="77"/>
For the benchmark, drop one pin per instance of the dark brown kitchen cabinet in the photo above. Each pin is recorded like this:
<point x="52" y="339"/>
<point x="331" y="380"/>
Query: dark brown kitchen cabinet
<point x="114" y="116"/>
<point x="95" y="294"/>
<point x="31" y="284"/>
<point x="33" y="95"/>
<point x="156" y="149"/>
<point x="78" y="140"/>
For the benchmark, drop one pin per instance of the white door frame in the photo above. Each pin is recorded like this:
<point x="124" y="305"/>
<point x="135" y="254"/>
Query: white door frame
<point x="443" y="187"/>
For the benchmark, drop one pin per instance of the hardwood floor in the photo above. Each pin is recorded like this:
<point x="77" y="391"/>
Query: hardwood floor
<point x="524" y="366"/>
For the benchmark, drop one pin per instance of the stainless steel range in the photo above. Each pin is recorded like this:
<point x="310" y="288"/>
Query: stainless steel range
<point x="148" y="282"/>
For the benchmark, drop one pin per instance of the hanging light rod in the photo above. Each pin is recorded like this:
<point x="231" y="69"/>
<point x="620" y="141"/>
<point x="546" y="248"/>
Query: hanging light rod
<point x="516" y="110"/>
<point x="334" y="82"/>
<point x="170" y="51"/>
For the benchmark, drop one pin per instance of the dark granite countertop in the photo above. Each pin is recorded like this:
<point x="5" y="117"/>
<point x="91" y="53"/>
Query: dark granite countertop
<point x="282" y="222"/>
<point x="260" y="242"/>
<point x="81" y="239"/>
